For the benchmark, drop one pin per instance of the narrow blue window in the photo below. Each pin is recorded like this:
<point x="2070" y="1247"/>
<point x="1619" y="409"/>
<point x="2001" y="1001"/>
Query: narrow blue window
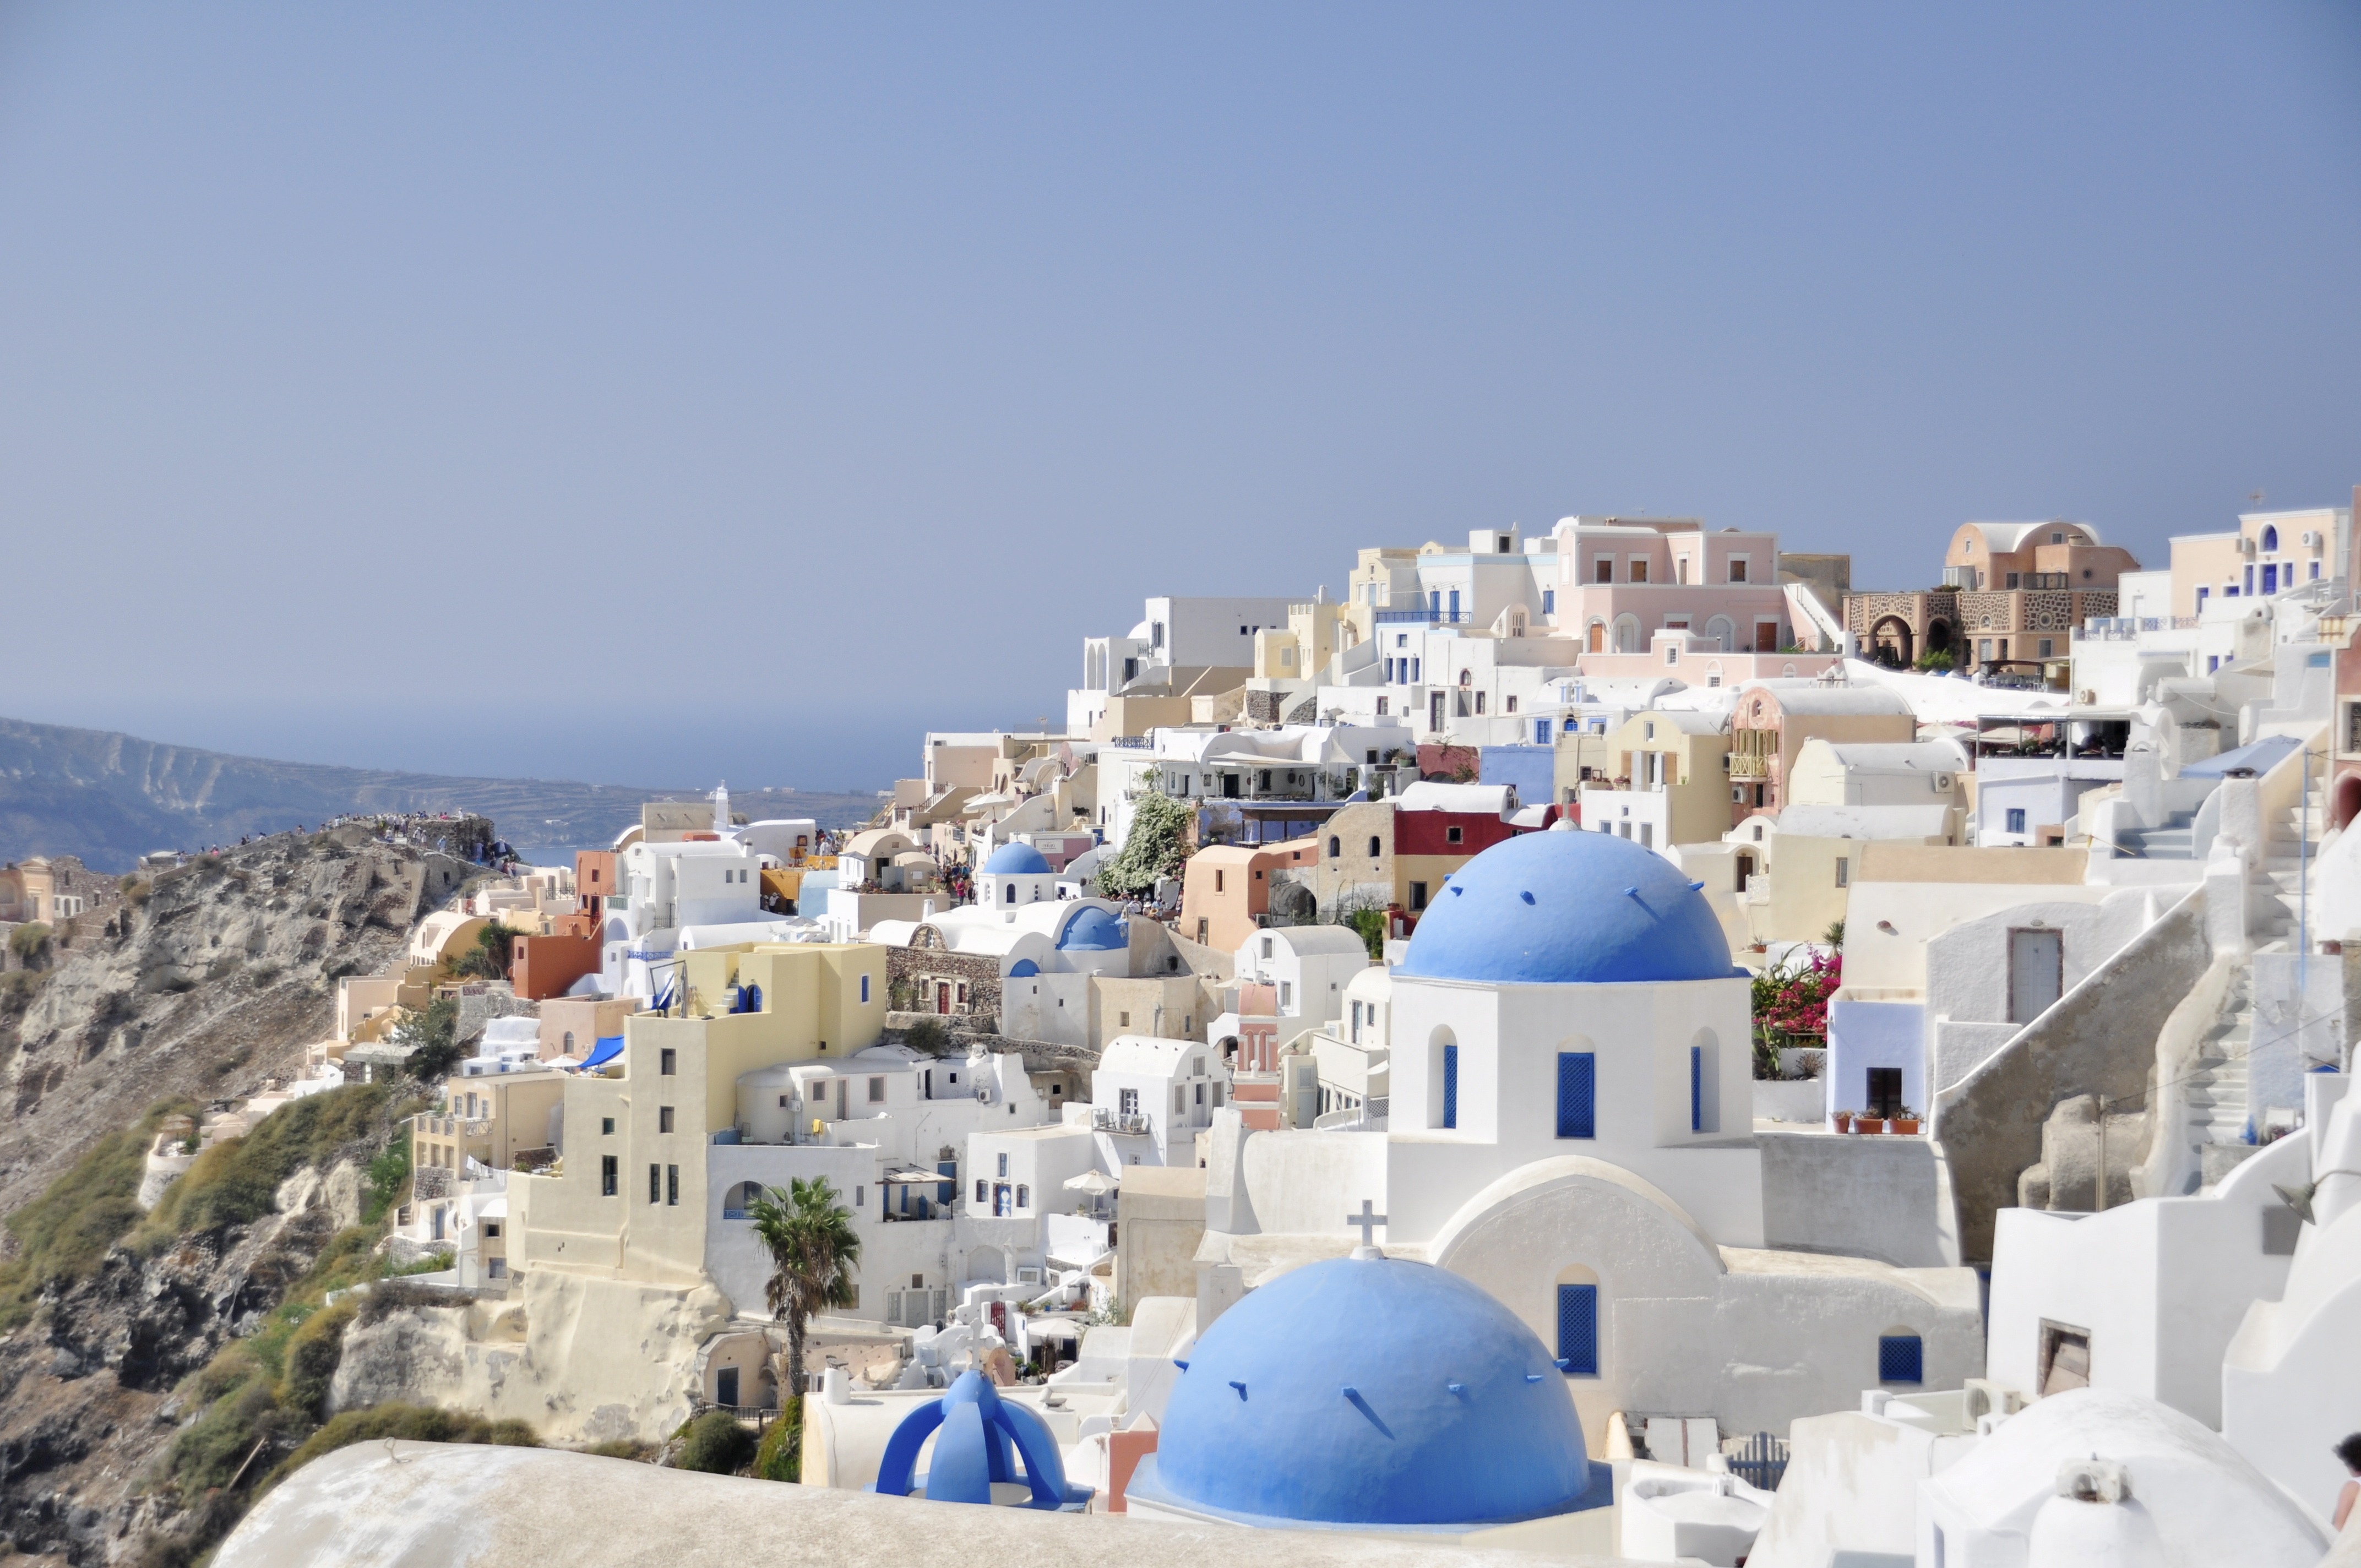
<point x="1549" y="602"/>
<point x="1696" y="1089"/>
<point x="1455" y="604"/>
<point x="1578" y="1094"/>
<point x="1434" y="598"/>
<point x="1901" y="1358"/>
<point x="1451" y="1086"/>
<point x="1577" y="1328"/>
<point x="864" y="988"/>
<point x="1541" y="731"/>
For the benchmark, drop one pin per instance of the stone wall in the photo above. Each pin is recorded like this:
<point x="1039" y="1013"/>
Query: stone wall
<point x="912" y="974"/>
<point x="2100" y="1038"/>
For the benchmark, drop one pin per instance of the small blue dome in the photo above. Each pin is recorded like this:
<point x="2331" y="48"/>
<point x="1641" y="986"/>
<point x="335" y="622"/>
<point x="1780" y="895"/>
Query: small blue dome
<point x="1372" y="1391"/>
<point x="1095" y="930"/>
<point x="1016" y="859"/>
<point x="984" y="1442"/>
<point x="1023" y="969"/>
<point x="1568" y="908"/>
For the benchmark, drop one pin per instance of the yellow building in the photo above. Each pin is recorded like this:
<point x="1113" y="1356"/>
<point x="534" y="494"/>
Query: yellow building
<point x="630" y="1202"/>
<point x="1667" y="778"/>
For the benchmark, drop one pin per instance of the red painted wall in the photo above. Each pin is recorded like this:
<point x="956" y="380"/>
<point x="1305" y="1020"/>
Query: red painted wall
<point x="1428" y="832"/>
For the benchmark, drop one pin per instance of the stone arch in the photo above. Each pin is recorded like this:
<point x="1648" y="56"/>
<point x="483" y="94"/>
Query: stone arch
<point x="987" y="1265"/>
<point x="1890" y="641"/>
<point x="1939" y="635"/>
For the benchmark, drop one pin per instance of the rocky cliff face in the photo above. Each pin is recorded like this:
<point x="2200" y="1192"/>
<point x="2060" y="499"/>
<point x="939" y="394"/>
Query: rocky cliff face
<point x="91" y="1393"/>
<point x="210" y="979"/>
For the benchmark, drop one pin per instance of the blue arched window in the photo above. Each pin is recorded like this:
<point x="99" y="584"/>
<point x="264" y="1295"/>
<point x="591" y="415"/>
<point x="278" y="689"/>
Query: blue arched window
<point x="2270" y="538"/>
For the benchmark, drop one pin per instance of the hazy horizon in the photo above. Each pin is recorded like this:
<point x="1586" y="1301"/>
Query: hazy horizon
<point x="651" y="398"/>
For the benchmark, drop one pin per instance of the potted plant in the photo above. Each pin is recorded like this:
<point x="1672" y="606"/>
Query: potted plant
<point x="1869" y="1124"/>
<point x="1906" y="1122"/>
<point x="1844" y="1121"/>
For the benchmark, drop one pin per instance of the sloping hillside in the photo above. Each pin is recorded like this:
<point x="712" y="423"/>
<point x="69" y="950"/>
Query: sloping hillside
<point x="110" y="798"/>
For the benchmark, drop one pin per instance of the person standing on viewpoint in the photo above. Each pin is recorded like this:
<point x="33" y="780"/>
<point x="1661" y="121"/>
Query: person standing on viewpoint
<point x="2349" y="1451"/>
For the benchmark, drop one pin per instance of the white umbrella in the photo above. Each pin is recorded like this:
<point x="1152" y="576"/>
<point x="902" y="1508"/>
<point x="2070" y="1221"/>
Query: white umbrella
<point x="1095" y="1182"/>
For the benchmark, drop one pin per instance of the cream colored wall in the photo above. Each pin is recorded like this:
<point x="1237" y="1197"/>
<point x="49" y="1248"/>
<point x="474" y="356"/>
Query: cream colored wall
<point x="1183" y="1016"/>
<point x="2209" y="560"/>
<point x="811" y="1010"/>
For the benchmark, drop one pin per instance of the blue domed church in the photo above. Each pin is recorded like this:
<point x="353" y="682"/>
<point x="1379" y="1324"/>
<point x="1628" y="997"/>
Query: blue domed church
<point x="1570" y="1128"/>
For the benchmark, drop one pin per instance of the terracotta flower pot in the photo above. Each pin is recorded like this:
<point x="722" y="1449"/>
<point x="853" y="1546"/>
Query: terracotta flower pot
<point x="1869" y="1124"/>
<point x="1844" y="1121"/>
<point x="1907" y="1125"/>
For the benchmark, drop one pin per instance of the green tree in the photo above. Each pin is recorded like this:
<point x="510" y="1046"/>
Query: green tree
<point x="1935" y="661"/>
<point x="433" y="1037"/>
<point x="1157" y="846"/>
<point x="489" y="959"/>
<point x="814" y="1251"/>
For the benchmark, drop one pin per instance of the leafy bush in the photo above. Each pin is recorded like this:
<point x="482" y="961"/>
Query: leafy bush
<point x="717" y="1443"/>
<point x="433" y="1037"/>
<point x="1791" y="1005"/>
<point x="235" y="1180"/>
<point x="780" y="1456"/>
<point x="311" y="1357"/>
<point x="927" y="1035"/>
<point x="1157" y="846"/>
<point x="389" y="1177"/>
<point x="65" y="1232"/>
<point x="30" y="944"/>
<point x="1934" y="662"/>
<point x="416" y="1423"/>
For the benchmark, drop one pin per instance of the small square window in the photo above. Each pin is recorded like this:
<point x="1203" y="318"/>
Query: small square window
<point x="664" y="1118"/>
<point x="607" y="1123"/>
<point x="1901" y="1358"/>
<point x="668" y="1061"/>
<point x="1455" y="835"/>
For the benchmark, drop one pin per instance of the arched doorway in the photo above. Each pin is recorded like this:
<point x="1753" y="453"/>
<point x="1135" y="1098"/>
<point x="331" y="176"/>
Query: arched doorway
<point x="2347" y="803"/>
<point x="1890" y="642"/>
<point x="1938" y="636"/>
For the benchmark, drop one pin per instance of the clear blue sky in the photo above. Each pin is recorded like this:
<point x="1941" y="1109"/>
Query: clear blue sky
<point x="658" y="393"/>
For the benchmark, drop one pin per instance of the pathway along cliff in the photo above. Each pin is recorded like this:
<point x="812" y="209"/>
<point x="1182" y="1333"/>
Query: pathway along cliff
<point x="154" y="1369"/>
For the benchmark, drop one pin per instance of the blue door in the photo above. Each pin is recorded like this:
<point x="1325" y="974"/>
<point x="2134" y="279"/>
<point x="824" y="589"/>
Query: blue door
<point x="1578" y="1094"/>
<point x="1577" y="1328"/>
<point x="1451" y="1086"/>
<point x="1696" y="1089"/>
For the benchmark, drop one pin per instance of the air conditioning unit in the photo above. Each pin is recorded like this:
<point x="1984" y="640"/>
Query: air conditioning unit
<point x="2311" y="541"/>
<point x="2087" y="698"/>
<point x="1942" y="784"/>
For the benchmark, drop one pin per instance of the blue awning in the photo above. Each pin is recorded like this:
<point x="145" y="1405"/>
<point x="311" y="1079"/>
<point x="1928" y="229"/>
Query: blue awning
<point x="610" y="1047"/>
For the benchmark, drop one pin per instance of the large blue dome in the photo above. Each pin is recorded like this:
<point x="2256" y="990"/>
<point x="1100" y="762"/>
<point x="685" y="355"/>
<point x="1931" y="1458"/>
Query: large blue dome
<point x="1094" y="931"/>
<point x="1016" y="859"/>
<point x="1371" y="1391"/>
<point x="1572" y="907"/>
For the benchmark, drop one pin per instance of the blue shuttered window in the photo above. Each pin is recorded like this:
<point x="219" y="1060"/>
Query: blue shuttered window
<point x="1901" y="1358"/>
<point x="1578" y="1094"/>
<point x="1577" y="1328"/>
<point x="1451" y="1086"/>
<point x="1696" y="1089"/>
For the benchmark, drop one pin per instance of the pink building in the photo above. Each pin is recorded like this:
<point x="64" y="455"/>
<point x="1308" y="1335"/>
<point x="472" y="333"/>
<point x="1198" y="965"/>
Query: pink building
<point x="1622" y="580"/>
<point x="1698" y="660"/>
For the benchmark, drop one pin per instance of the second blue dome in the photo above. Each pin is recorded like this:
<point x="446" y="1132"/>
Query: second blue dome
<point x="1568" y="908"/>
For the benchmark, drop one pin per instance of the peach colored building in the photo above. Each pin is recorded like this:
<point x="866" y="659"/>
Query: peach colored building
<point x="1225" y="888"/>
<point x="1622" y="580"/>
<point x="2269" y="553"/>
<point x="1771" y="721"/>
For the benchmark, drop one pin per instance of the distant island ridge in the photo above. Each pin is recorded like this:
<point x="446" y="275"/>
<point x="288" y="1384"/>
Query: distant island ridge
<point x="109" y="798"/>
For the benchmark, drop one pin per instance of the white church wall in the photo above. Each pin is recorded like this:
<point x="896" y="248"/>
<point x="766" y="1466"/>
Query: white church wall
<point x="2159" y="1285"/>
<point x="1873" y="1196"/>
<point x="1308" y="1182"/>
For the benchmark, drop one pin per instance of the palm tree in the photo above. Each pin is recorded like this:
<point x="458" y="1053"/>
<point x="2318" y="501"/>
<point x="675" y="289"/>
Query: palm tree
<point x="814" y="1251"/>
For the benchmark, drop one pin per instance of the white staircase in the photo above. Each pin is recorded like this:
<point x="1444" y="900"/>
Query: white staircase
<point x="2294" y="840"/>
<point x="2216" y="1094"/>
